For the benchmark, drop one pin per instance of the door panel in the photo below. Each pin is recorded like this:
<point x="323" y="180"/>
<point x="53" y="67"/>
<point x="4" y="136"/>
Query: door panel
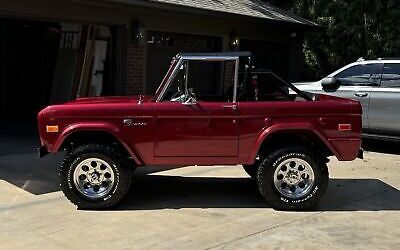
<point x="384" y="110"/>
<point x="198" y="130"/>
<point x="385" y="102"/>
<point x="359" y="93"/>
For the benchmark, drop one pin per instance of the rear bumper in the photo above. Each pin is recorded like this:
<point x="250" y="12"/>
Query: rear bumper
<point x="42" y="151"/>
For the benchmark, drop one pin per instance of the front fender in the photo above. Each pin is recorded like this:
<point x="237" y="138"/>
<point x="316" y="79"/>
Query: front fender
<point x="268" y="131"/>
<point x="97" y="126"/>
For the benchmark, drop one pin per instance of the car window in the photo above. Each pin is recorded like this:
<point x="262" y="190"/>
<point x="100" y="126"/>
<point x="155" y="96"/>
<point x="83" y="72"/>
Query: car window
<point x="362" y="74"/>
<point x="391" y="75"/>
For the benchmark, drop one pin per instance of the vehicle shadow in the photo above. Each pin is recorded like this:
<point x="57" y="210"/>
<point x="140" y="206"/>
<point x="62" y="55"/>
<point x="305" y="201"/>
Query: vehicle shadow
<point x="379" y="146"/>
<point x="40" y="176"/>
<point x="153" y="192"/>
<point x="20" y="166"/>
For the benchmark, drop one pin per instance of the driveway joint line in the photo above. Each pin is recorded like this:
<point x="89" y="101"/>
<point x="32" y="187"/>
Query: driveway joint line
<point x="290" y="222"/>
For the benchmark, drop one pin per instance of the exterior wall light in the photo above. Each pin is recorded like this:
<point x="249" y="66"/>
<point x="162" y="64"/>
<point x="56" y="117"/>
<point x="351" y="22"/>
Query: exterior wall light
<point x="137" y="31"/>
<point x="234" y="41"/>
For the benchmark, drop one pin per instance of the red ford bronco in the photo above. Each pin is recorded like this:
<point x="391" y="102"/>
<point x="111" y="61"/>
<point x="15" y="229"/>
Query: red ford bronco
<point x="210" y="109"/>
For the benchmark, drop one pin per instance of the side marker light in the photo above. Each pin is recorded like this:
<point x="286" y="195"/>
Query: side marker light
<point x="52" y="129"/>
<point x="344" y="127"/>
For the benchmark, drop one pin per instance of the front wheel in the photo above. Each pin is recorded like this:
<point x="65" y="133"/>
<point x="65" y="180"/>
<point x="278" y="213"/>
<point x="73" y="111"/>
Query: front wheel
<point x="292" y="179"/>
<point x="95" y="176"/>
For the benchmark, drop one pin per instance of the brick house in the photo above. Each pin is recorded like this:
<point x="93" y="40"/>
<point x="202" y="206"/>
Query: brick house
<point x="56" y="50"/>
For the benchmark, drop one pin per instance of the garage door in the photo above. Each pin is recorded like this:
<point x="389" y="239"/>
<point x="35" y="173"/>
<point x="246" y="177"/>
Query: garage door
<point x="28" y="52"/>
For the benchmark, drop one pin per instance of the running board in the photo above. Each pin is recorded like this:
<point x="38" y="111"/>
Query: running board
<point x="381" y="137"/>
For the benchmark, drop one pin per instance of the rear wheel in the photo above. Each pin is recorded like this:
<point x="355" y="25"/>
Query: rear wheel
<point x="292" y="178"/>
<point x="95" y="176"/>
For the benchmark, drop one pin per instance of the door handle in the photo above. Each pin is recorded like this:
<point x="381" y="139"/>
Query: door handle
<point x="361" y="94"/>
<point x="234" y="107"/>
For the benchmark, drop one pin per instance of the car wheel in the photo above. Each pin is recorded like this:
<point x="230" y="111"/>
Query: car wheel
<point x="292" y="179"/>
<point x="95" y="176"/>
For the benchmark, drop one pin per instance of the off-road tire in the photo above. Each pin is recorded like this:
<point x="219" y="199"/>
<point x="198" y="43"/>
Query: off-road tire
<point x="265" y="179"/>
<point x="122" y="174"/>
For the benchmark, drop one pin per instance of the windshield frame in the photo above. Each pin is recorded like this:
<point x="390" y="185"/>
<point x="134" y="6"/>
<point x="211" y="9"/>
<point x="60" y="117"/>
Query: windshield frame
<point x="181" y="59"/>
<point x="167" y="78"/>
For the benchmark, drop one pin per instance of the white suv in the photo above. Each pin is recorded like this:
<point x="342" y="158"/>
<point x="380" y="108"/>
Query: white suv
<point x="376" y="85"/>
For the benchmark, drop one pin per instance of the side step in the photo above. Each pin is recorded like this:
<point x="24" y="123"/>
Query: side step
<point x="392" y="138"/>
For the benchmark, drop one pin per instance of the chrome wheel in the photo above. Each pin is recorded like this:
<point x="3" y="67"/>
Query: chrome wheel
<point x="94" y="178"/>
<point x="294" y="178"/>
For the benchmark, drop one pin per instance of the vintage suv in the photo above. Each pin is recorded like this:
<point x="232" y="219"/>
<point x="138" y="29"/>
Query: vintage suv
<point x="210" y="109"/>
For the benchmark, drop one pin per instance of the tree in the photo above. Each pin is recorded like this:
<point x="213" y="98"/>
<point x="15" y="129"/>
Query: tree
<point x="357" y="28"/>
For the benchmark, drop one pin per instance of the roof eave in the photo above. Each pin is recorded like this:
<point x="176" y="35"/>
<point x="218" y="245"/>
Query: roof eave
<point x="306" y="26"/>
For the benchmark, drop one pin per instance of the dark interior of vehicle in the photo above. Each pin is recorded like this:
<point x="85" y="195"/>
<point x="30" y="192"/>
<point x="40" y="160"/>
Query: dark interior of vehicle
<point x="263" y="86"/>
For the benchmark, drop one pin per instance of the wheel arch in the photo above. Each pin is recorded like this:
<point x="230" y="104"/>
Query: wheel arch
<point x="95" y="133"/>
<point x="291" y="134"/>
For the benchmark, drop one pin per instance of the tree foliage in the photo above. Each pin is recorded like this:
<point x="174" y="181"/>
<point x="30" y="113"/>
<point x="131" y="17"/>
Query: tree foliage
<point x="354" y="29"/>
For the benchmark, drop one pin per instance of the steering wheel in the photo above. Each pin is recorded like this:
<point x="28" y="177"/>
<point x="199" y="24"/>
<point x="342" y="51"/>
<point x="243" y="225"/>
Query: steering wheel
<point x="177" y="94"/>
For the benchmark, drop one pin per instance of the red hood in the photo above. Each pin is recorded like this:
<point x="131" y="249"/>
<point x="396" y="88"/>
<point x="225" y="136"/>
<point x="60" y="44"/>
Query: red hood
<point x="109" y="99"/>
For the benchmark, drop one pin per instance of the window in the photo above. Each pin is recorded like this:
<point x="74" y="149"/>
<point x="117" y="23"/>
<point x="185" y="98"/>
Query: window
<point x="211" y="81"/>
<point x="363" y="74"/>
<point x="391" y="75"/>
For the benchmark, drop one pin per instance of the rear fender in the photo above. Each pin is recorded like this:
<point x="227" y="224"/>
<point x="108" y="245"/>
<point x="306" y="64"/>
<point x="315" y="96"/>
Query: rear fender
<point x="101" y="127"/>
<point x="267" y="132"/>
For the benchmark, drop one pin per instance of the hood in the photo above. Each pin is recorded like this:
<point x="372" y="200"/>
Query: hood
<point x="308" y="86"/>
<point x="109" y="99"/>
<point x="305" y="83"/>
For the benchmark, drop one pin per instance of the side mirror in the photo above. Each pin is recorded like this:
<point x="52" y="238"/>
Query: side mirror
<point x="329" y="83"/>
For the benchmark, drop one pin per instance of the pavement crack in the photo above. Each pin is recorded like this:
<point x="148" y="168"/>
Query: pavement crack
<point x="261" y="231"/>
<point x="30" y="204"/>
<point x="293" y="221"/>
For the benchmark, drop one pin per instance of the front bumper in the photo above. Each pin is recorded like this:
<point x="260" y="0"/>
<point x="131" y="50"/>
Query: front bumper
<point x="42" y="151"/>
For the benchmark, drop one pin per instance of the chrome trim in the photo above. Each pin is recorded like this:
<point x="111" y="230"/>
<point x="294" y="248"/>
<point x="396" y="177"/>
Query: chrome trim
<point x="235" y="84"/>
<point x="294" y="178"/>
<point x="172" y="76"/>
<point x="210" y="58"/>
<point x="94" y="178"/>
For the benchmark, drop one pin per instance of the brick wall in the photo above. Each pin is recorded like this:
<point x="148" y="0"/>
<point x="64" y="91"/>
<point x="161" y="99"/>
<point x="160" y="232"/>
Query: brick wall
<point x="135" y="68"/>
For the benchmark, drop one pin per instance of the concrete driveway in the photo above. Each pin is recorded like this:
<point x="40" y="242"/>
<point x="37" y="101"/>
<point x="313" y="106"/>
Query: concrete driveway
<point x="197" y="208"/>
